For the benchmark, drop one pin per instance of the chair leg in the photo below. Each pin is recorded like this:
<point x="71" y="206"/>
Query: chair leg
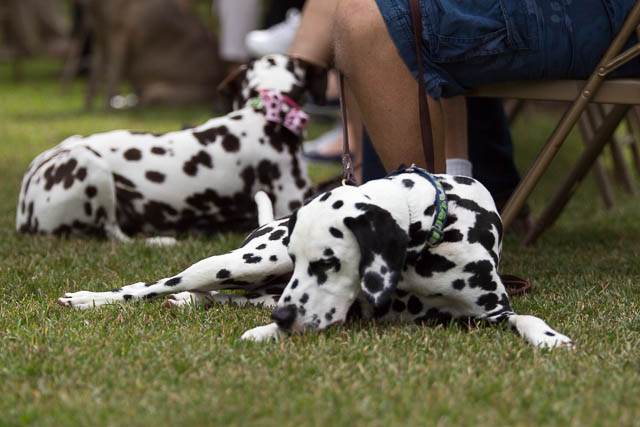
<point x="599" y="173"/>
<point x="578" y="172"/>
<point x="622" y="171"/>
<point x="539" y="166"/>
<point x="522" y="192"/>
<point x="513" y="108"/>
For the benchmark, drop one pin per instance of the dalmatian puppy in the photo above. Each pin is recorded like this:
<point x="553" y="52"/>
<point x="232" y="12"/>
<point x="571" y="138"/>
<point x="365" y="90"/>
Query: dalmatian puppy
<point x="121" y="182"/>
<point x="359" y="251"/>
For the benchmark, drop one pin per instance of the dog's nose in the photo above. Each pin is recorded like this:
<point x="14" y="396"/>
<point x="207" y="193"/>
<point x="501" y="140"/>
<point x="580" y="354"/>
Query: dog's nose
<point x="284" y="316"/>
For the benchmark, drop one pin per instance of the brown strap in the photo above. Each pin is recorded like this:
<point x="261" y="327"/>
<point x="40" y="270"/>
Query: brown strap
<point x="515" y="285"/>
<point x="425" y="121"/>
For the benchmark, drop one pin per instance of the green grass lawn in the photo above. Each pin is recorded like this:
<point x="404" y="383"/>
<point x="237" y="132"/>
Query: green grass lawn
<point x="145" y="365"/>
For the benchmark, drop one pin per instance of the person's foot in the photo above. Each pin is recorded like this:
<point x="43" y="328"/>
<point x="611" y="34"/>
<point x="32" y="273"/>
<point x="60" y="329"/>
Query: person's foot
<point x="275" y="39"/>
<point x="326" y="147"/>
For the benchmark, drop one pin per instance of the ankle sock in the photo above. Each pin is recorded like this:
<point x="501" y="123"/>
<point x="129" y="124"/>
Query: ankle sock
<point x="459" y="167"/>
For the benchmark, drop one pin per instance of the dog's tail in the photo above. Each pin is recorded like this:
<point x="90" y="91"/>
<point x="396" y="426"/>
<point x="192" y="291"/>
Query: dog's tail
<point x="265" y="208"/>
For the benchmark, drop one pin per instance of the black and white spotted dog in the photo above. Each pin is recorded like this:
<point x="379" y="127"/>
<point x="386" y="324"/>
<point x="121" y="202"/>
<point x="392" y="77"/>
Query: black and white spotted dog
<point x="369" y="250"/>
<point x="201" y="179"/>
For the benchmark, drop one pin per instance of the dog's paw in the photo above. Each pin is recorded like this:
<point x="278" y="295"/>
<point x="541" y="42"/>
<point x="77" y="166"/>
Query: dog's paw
<point x="549" y="339"/>
<point x="538" y="333"/>
<point x="186" y="299"/>
<point x="84" y="300"/>
<point x="263" y="333"/>
<point x="558" y="340"/>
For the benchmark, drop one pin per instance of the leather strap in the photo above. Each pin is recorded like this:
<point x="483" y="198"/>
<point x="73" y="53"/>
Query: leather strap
<point x="515" y="286"/>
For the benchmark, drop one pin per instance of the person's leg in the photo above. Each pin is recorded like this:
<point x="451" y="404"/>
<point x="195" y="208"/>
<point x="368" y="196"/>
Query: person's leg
<point x="491" y="147"/>
<point x="313" y="40"/>
<point x="382" y="85"/>
<point x="372" y="167"/>
<point x="386" y="91"/>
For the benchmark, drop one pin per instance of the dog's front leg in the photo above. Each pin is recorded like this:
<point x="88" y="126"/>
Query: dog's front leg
<point x="261" y="260"/>
<point x="264" y="333"/>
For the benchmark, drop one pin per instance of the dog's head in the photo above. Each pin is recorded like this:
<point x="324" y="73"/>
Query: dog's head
<point x="289" y="75"/>
<point x="341" y="244"/>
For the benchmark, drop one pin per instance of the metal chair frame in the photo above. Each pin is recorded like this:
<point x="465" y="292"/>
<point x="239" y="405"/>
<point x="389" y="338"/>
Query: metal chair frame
<point x="621" y="93"/>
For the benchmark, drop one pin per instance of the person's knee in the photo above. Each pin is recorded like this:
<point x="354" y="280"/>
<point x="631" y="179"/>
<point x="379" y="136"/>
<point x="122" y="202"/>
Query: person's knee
<point x="358" y="23"/>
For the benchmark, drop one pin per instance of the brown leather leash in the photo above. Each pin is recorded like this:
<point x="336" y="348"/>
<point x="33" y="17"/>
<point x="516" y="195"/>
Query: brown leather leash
<point x="514" y="285"/>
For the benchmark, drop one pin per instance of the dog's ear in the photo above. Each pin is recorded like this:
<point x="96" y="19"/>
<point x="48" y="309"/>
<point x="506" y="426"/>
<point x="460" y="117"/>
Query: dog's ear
<point x="230" y="88"/>
<point x="315" y="80"/>
<point x="383" y="248"/>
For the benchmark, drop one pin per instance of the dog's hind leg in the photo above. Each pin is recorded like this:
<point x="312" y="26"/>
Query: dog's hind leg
<point x="261" y="261"/>
<point x="101" y="199"/>
<point x="267" y="332"/>
<point x="533" y="329"/>
<point x="209" y="298"/>
<point x="71" y="191"/>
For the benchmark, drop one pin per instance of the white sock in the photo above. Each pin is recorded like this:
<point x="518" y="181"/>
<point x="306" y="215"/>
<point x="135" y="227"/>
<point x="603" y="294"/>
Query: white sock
<point x="459" y="167"/>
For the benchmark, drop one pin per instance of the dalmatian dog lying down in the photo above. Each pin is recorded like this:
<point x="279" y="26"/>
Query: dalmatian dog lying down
<point x="410" y="247"/>
<point x="201" y="179"/>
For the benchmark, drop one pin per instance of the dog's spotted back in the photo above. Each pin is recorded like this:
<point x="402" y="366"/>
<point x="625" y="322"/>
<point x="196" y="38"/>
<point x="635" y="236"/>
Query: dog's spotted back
<point x="202" y="179"/>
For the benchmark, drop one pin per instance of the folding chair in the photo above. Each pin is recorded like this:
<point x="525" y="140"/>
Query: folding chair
<point x="621" y="93"/>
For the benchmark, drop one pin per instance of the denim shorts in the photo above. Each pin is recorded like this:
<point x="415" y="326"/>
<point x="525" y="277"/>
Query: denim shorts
<point x="466" y="43"/>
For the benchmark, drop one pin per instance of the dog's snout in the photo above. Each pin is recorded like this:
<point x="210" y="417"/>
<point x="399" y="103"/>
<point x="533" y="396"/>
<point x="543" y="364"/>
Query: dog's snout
<point x="284" y="316"/>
